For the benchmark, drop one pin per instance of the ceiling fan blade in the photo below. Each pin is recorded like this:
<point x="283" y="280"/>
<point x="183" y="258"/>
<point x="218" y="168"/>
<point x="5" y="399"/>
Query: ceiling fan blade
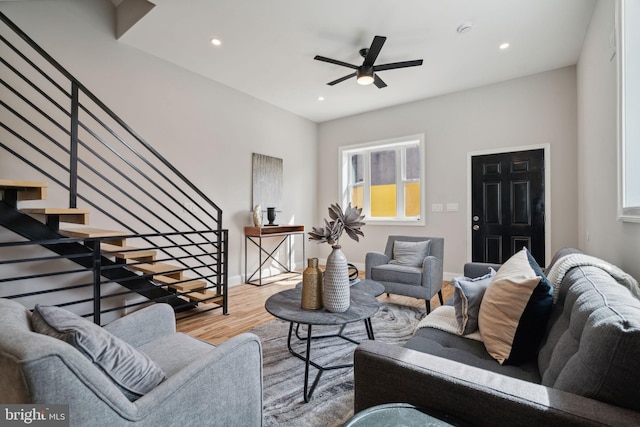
<point x="341" y="79"/>
<point x="334" y="61"/>
<point x="378" y="82"/>
<point x="394" y="65"/>
<point x="374" y="50"/>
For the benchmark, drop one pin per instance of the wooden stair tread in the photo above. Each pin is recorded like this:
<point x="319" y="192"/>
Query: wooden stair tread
<point x="54" y="211"/>
<point x="74" y="215"/>
<point x="191" y="285"/>
<point x="200" y="297"/>
<point x="160" y="269"/>
<point x="27" y="190"/>
<point x="19" y="184"/>
<point x="128" y="252"/>
<point x="89" y="232"/>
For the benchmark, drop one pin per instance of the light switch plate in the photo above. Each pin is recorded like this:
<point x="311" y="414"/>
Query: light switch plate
<point x="436" y="207"/>
<point x="452" y="207"/>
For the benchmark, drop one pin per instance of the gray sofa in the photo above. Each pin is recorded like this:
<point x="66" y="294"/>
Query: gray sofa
<point x="587" y="371"/>
<point x="204" y="385"/>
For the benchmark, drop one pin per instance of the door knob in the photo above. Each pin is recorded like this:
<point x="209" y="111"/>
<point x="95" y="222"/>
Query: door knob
<point x="476" y="227"/>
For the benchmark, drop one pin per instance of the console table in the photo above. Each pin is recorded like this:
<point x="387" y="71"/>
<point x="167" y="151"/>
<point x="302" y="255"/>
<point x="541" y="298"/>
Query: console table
<point x="281" y="234"/>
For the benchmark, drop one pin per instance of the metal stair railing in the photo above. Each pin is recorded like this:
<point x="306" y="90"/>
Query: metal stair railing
<point x="53" y="124"/>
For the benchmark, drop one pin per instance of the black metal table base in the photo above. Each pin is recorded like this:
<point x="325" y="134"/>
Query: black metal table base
<point x="308" y="391"/>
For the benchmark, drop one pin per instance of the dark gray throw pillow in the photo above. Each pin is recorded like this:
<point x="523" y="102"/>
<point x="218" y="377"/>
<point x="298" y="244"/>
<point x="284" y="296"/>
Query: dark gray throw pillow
<point x="130" y="369"/>
<point x="467" y="296"/>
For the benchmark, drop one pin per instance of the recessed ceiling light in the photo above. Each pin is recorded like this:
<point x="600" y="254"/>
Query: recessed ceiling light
<point x="216" y="42"/>
<point x="321" y="98"/>
<point x="504" y="46"/>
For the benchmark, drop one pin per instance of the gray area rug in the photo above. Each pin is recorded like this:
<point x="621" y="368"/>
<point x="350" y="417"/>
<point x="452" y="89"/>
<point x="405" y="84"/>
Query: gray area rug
<point x="332" y="401"/>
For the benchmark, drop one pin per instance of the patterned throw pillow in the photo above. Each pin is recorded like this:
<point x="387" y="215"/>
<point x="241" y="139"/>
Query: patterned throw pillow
<point x="410" y="253"/>
<point x="515" y="310"/>
<point x="132" y="371"/>
<point x="467" y="296"/>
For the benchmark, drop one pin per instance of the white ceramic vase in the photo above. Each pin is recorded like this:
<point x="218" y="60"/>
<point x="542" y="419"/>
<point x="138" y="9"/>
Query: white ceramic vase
<point x="336" y="294"/>
<point x="257" y="216"/>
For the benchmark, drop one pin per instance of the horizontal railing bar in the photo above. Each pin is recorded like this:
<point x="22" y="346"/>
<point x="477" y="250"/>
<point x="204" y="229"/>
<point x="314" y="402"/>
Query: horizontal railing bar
<point x="31" y="63"/>
<point x="33" y="86"/>
<point x="33" y="106"/>
<point x="43" y="275"/>
<point x="135" y="168"/>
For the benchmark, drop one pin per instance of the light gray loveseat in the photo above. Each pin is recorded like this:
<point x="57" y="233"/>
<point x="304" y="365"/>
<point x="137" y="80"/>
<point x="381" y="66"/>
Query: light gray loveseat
<point x="204" y="385"/>
<point x="587" y="371"/>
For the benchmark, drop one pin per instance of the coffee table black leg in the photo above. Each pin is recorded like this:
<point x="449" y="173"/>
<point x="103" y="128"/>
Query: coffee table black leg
<point x="307" y="361"/>
<point x="369" y="327"/>
<point x="308" y="391"/>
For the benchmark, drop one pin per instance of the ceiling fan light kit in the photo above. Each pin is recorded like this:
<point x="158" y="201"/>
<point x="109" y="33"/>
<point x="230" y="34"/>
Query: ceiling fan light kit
<point x="364" y="76"/>
<point x="365" y="73"/>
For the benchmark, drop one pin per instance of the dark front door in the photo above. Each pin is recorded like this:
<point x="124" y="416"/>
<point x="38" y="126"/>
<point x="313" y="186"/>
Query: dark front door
<point x="507" y="195"/>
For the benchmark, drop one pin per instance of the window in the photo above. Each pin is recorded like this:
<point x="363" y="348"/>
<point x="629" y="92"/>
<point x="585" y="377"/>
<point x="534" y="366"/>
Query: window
<point x="385" y="179"/>
<point x="629" y="110"/>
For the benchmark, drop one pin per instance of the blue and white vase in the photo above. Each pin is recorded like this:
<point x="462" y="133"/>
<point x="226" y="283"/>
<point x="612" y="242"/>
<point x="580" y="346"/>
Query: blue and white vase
<point x="336" y="293"/>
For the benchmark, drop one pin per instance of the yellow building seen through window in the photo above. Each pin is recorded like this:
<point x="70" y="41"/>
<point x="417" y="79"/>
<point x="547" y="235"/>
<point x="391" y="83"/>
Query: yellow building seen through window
<point x="383" y="200"/>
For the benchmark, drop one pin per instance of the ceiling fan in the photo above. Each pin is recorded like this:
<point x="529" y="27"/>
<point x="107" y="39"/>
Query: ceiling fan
<point x="366" y="73"/>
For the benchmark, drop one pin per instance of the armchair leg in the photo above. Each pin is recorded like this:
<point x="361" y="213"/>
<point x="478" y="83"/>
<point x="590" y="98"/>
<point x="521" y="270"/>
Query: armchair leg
<point x="428" y="305"/>
<point x="440" y="296"/>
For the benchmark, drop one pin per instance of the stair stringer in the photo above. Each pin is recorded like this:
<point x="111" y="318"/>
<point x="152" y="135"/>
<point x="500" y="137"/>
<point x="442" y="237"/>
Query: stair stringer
<point x="34" y="230"/>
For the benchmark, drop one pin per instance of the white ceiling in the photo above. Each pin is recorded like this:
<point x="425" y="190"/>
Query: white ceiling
<point x="268" y="46"/>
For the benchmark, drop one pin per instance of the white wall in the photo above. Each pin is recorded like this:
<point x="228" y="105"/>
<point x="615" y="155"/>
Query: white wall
<point x="208" y="130"/>
<point x="540" y="109"/>
<point x="600" y="233"/>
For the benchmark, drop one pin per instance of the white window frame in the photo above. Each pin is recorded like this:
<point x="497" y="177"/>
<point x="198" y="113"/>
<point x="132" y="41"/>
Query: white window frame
<point x="344" y="154"/>
<point x="628" y="42"/>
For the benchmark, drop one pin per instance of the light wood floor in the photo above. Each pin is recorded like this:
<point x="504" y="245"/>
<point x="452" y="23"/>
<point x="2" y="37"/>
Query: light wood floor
<point x="246" y="311"/>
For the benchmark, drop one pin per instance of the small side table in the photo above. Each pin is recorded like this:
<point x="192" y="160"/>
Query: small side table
<point x="255" y="235"/>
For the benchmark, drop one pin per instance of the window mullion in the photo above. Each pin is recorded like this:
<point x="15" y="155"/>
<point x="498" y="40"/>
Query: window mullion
<point x="400" y="171"/>
<point x="366" y="185"/>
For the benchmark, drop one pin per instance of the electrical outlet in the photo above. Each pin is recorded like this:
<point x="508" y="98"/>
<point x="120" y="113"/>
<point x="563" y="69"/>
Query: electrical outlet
<point x="189" y="206"/>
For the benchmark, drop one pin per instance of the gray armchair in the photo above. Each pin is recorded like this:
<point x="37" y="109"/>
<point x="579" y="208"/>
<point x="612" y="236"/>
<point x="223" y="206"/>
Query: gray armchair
<point x="421" y="281"/>
<point x="204" y="385"/>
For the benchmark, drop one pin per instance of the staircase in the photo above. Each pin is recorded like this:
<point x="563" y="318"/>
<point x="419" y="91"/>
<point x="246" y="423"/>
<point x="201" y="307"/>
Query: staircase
<point x="82" y="164"/>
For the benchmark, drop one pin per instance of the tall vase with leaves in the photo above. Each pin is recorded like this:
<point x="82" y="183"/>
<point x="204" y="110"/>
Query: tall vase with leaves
<point x="335" y="293"/>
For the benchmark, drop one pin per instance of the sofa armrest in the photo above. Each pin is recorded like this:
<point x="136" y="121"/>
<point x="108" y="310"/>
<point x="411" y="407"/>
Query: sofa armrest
<point x="432" y="274"/>
<point x="373" y="259"/>
<point x="478" y="269"/>
<point x="229" y="375"/>
<point x="385" y="373"/>
<point x="145" y="325"/>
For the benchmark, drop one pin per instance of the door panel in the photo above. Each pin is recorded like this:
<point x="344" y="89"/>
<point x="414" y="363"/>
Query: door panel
<point x="507" y="205"/>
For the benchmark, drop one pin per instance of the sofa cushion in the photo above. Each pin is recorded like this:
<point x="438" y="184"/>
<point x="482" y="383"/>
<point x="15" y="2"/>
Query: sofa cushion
<point x="397" y="273"/>
<point x="593" y="345"/>
<point x="470" y="352"/>
<point x="467" y="296"/>
<point x="515" y="310"/>
<point x="131" y="370"/>
<point x="410" y="253"/>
